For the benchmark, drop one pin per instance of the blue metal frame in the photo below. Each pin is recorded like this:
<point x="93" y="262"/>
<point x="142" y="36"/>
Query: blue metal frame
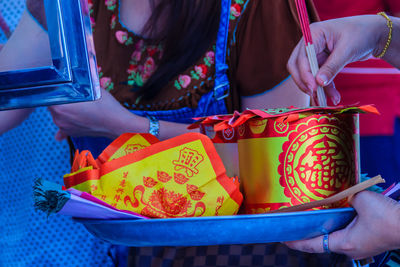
<point x="72" y="77"/>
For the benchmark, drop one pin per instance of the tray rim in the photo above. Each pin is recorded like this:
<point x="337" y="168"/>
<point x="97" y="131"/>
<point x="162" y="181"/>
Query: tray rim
<point x="217" y="218"/>
<point x="216" y="230"/>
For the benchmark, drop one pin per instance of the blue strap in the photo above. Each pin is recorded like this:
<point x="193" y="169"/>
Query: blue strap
<point x="221" y="86"/>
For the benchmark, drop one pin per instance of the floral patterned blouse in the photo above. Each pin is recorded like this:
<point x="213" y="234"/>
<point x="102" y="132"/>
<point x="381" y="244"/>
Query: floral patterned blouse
<point x="262" y="35"/>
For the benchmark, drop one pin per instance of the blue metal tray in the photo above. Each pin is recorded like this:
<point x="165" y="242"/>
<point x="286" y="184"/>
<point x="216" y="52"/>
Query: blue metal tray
<point x="239" y="229"/>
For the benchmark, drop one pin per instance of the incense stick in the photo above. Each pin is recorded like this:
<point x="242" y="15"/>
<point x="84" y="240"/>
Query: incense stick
<point x="311" y="54"/>
<point x="335" y="198"/>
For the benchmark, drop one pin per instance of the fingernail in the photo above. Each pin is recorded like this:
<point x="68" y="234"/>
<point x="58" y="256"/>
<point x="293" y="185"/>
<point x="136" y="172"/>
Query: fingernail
<point x="336" y="97"/>
<point x="310" y="91"/>
<point x="335" y="100"/>
<point x="324" y="79"/>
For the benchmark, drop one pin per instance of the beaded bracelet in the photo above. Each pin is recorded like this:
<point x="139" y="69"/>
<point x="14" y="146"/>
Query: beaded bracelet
<point x="390" y="26"/>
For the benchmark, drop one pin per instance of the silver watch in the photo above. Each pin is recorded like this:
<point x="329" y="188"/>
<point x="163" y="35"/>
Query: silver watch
<point x="154" y="126"/>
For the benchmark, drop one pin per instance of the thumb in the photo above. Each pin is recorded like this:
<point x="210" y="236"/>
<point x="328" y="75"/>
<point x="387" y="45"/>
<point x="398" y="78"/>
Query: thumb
<point x="366" y="202"/>
<point x="361" y="200"/>
<point x="336" y="61"/>
<point x="60" y="136"/>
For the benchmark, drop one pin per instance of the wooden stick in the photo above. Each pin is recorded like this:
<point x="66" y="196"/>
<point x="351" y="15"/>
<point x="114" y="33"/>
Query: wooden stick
<point x="312" y="58"/>
<point x="335" y="198"/>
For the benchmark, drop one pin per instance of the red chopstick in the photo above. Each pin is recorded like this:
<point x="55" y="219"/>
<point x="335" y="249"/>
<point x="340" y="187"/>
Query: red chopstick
<point x="312" y="57"/>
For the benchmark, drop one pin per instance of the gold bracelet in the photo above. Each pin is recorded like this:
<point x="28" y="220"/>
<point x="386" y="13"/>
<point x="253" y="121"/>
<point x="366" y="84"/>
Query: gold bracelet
<point x="390" y="26"/>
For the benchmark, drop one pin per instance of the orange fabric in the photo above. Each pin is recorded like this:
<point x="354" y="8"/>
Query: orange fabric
<point x="78" y="178"/>
<point x="82" y="160"/>
<point x="148" y="139"/>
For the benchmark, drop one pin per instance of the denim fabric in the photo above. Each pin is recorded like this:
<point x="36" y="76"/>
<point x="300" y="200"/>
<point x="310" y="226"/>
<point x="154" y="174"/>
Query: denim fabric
<point x="221" y="86"/>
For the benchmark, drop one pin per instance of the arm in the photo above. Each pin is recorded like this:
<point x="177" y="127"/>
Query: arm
<point x="17" y="54"/>
<point x="340" y="42"/>
<point x="107" y="118"/>
<point x="375" y="229"/>
<point x="28" y="47"/>
<point x="10" y="119"/>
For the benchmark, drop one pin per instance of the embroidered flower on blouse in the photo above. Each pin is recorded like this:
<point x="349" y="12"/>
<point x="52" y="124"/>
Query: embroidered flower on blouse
<point x="236" y="10"/>
<point x="136" y="55"/>
<point x="92" y="20"/>
<point x="151" y="50"/>
<point x="139" y="71"/>
<point x="198" y="72"/>
<point x="210" y="58"/>
<point x="182" y="82"/>
<point x="193" y="74"/>
<point x="113" y="21"/>
<point x="106" y="83"/>
<point x="149" y="68"/>
<point x="201" y="70"/>
<point x="135" y="79"/>
<point x="90" y="6"/>
<point x="132" y="68"/>
<point x="123" y="38"/>
<point x="111" y="4"/>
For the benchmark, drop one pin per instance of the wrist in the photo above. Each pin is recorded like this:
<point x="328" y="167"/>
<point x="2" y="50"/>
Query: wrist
<point x="383" y="32"/>
<point x="127" y="122"/>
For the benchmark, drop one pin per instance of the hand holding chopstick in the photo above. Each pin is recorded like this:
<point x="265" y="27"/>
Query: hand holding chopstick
<point x="312" y="56"/>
